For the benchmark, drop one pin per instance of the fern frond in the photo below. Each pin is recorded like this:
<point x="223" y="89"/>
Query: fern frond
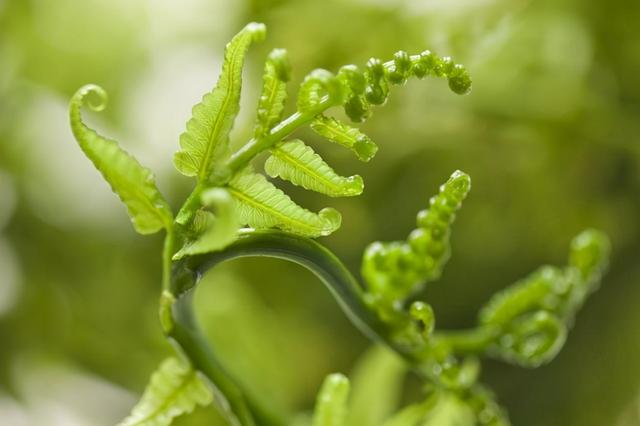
<point x="212" y="232"/>
<point x="362" y="89"/>
<point x="394" y="270"/>
<point x="534" y="313"/>
<point x="134" y="184"/>
<point x="261" y="205"/>
<point x="345" y="135"/>
<point x="277" y="72"/>
<point x="331" y="403"/>
<point x="299" y="164"/>
<point x="205" y="141"/>
<point x="175" y="389"/>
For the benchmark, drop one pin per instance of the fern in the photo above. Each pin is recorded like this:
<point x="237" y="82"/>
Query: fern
<point x="526" y="324"/>
<point x="175" y="389"/>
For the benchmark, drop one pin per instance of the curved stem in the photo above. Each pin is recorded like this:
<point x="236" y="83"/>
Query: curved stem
<point x="187" y="272"/>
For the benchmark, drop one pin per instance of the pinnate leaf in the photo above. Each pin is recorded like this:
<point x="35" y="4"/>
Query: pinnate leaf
<point x="133" y="183"/>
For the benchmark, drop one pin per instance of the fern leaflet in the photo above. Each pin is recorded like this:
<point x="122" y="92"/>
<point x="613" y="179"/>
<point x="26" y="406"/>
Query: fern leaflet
<point x="298" y="163"/>
<point x="175" y="389"/>
<point x="262" y="205"/>
<point x="205" y="141"/>
<point x="134" y="184"/>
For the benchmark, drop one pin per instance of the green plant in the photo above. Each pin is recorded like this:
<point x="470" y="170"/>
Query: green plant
<point x="235" y="212"/>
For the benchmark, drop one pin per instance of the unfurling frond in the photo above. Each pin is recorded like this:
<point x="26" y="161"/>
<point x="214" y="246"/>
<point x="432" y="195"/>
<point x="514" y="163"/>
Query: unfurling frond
<point x="533" y="315"/>
<point x="134" y="184"/>
<point x="175" y="389"/>
<point x="395" y="270"/>
<point x="206" y="139"/>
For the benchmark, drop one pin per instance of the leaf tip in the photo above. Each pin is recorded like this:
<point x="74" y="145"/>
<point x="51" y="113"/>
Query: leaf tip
<point x="332" y="219"/>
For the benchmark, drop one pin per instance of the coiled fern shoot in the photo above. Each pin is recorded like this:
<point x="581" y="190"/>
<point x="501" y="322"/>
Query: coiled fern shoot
<point x="235" y="211"/>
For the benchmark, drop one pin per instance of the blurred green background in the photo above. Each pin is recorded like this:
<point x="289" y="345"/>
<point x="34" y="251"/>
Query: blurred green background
<point x="549" y="135"/>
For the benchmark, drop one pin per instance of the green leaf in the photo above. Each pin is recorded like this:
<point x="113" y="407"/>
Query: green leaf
<point x="299" y="164"/>
<point x="277" y="72"/>
<point x="261" y="205"/>
<point x="345" y="135"/>
<point x="175" y="389"/>
<point x="331" y="403"/>
<point x="214" y="232"/>
<point x="134" y="184"/>
<point x="206" y="139"/>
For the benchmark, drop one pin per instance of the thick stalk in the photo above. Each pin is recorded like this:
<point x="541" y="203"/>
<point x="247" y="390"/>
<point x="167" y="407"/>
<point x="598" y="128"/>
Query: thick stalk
<point x="183" y="330"/>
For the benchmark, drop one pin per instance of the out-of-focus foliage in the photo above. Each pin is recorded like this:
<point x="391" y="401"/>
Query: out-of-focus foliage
<point x="549" y="134"/>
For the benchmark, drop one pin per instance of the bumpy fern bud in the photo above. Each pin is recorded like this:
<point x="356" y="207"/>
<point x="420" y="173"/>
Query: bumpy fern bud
<point x="395" y="270"/>
<point x="533" y="315"/>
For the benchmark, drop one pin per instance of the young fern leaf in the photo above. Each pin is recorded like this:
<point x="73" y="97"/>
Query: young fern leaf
<point x="362" y="89"/>
<point x="345" y="135"/>
<point x="331" y="403"/>
<point x="213" y="232"/>
<point x="299" y="164"/>
<point x="134" y="184"/>
<point x="395" y="270"/>
<point x="260" y="204"/>
<point x="533" y="315"/>
<point x="277" y="72"/>
<point x="174" y="389"/>
<point x="319" y="90"/>
<point x="206" y="139"/>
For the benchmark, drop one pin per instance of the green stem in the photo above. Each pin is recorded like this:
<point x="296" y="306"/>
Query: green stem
<point x="287" y="126"/>
<point x="187" y="272"/>
<point x="468" y="342"/>
<point x="167" y="253"/>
